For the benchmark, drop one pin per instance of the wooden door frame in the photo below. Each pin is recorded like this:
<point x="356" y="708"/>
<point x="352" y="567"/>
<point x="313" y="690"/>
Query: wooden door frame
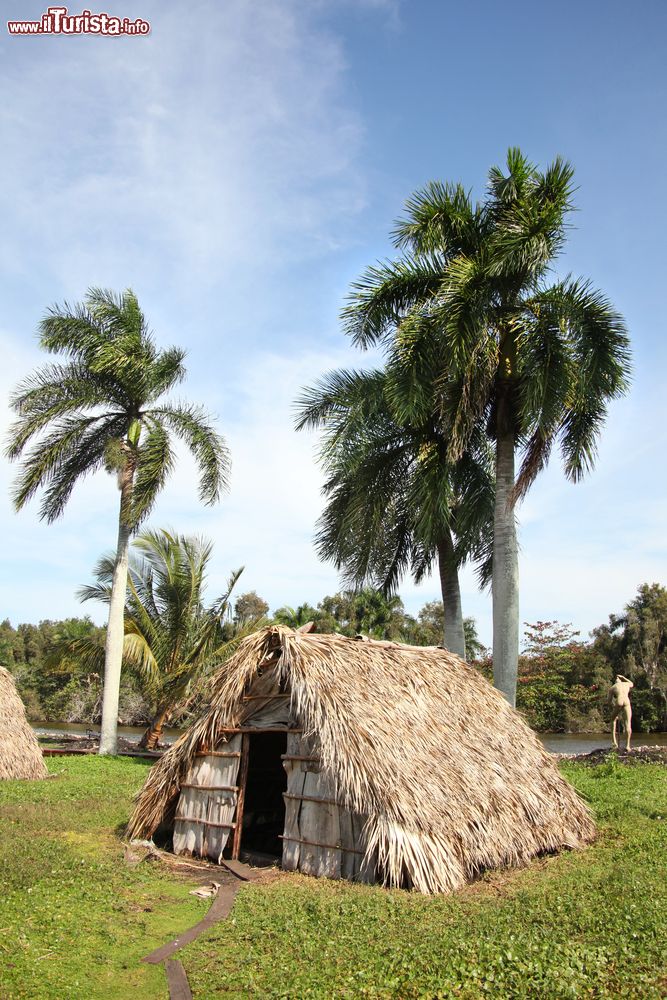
<point x="240" y="795"/>
<point x="246" y="736"/>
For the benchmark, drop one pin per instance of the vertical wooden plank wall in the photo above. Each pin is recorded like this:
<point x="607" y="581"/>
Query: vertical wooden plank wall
<point x="207" y="803"/>
<point x="321" y="837"/>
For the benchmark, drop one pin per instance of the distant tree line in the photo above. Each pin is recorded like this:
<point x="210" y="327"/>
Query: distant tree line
<point x="563" y="681"/>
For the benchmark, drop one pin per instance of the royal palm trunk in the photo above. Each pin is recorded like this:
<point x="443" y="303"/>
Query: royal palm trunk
<point x="113" y="649"/>
<point x="505" y="582"/>
<point x="454" y="638"/>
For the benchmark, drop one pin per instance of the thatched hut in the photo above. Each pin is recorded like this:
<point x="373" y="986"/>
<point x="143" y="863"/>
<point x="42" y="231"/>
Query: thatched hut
<point x="20" y="756"/>
<point x="363" y="760"/>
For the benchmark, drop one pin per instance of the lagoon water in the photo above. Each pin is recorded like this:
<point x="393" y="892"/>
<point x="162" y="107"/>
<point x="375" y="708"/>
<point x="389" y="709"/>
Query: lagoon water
<point x="585" y="742"/>
<point x="553" y="742"/>
<point x="82" y="729"/>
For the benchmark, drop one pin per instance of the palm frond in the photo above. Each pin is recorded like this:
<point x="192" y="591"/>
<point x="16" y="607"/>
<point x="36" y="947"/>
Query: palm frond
<point x="579" y="436"/>
<point x="513" y="186"/>
<point x="385" y="294"/>
<point x="191" y="424"/>
<point x="413" y="364"/>
<point x="546" y="370"/>
<point x="166" y="371"/>
<point x="155" y="462"/>
<point x="597" y="334"/>
<point x="529" y="210"/>
<point x="94" y="592"/>
<point x="589" y="361"/>
<point x="73" y="449"/>
<point x="70" y="330"/>
<point x="86" y="650"/>
<point x="438" y="219"/>
<point x="119" y="315"/>
<point x="138" y="655"/>
<point x="535" y="458"/>
<point x="337" y="395"/>
<point x="46" y="395"/>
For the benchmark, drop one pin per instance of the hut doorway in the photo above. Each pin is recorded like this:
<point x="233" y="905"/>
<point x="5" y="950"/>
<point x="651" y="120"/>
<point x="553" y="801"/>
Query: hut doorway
<point x="263" y="815"/>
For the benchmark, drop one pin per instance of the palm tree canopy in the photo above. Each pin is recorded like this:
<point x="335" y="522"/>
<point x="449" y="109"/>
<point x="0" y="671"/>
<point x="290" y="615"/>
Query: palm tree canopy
<point x="474" y="283"/>
<point x="391" y="489"/>
<point x="102" y="407"/>
<point x="296" y="617"/>
<point x="170" y="635"/>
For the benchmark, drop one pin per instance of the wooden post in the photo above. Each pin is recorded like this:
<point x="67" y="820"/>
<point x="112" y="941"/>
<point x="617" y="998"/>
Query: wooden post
<point x="240" y="798"/>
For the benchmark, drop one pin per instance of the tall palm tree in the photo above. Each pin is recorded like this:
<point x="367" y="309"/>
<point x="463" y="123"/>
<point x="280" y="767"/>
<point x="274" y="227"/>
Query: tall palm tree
<point x="534" y="360"/>
<point x="395" y="502"/>
<point x="104" y="407"/>
<point x="171" y="637"/>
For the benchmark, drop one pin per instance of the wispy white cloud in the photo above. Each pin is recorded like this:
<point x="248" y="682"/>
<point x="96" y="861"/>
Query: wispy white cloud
<point x="200" y="161"/>
<point x="218" y="142"/>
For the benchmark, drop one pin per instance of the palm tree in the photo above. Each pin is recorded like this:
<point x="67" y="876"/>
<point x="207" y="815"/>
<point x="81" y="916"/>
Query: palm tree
<point x="104" y="408"/>
<point x="295" y="617"/>
<point x="365" y="610"/>
<point x="395" y="502"/>
<point x="534" y="361"/>
<point x="373" y="613"/>
<point x="171" y="638"/>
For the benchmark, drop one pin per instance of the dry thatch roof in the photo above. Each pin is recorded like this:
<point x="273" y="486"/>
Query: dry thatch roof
<point x="20" y="756"/>
<point x="452" y="779"/>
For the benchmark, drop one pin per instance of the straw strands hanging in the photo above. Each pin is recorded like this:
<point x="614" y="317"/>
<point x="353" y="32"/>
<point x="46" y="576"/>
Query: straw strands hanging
<point x="20" y="755"/>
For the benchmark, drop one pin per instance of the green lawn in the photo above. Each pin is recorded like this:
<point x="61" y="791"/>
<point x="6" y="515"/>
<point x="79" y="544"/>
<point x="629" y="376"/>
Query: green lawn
<point x="75" y="920"/>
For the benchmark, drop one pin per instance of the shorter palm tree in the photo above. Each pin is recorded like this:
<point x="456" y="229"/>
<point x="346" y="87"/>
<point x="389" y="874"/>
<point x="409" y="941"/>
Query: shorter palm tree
<point x="395" y="502"/>
<point x="171" y="638"/>
<point x="296" y="617"/>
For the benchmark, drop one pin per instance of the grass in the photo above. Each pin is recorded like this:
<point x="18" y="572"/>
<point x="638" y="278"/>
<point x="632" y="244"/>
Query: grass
<point x="75" y="920"/>
<point x="591" y="924"/>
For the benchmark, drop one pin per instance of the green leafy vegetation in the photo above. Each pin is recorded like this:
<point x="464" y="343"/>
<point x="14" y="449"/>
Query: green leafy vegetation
<point x="55" y="684"/>
<point x="76" y="920"/>
<point x="562" y="686"/>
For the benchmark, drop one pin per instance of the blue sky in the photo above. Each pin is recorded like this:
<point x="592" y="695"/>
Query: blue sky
<point x="241" y="165"/>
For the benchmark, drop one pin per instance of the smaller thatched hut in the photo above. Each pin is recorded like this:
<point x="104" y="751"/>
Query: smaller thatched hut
<point x="20" y="756"/>
<point x="361" y="760"/>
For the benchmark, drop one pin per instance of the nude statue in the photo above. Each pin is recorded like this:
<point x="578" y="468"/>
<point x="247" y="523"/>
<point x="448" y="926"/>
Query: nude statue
<point x="619" y="695"/>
